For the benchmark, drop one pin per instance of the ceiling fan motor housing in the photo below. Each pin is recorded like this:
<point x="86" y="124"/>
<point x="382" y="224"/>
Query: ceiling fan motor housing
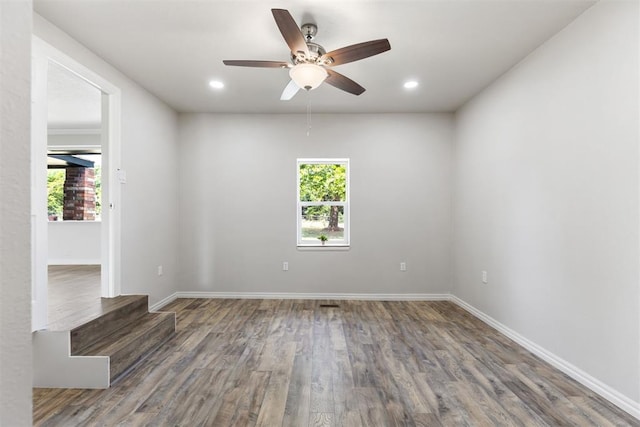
<point x="315" y="52"/>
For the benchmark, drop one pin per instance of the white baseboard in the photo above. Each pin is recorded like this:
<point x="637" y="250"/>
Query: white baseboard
<point x="315" y="296"/>
<point x="157" y="306"/>
<point x="615" y="397"/>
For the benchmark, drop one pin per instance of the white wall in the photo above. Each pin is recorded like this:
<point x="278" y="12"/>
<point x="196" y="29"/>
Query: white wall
<point x="74" y="242"/>
<point x="15" y="253"/>
<point x="149" y="151"/>
<point x="238" y="206"/>
<point x="546" y="197"/>
<point x="74" y="140"/>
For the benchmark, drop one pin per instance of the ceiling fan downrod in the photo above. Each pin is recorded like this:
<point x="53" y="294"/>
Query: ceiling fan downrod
<point x="309" y="31"/>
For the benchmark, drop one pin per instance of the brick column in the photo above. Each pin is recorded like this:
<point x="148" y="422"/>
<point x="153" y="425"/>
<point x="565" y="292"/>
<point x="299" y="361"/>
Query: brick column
<point x="79" y="195"/>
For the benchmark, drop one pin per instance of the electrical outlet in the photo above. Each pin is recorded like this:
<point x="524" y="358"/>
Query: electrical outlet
<point x="484" y="277"/>
<point x="160" y="272"/>
<point x="285" y="266"/>
<point x="403" y="266"/>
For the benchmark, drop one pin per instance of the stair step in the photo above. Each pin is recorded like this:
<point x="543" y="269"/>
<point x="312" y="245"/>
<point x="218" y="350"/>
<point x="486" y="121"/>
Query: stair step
<point x="119" y="312"/>
<point x="130" y="343"/>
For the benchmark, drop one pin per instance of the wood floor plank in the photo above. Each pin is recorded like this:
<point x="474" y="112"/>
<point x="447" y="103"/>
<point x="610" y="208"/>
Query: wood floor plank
<point x="321" y="381"/>
<point x="358" y="363"/>
<point x="73" y="295"/>
<point x="427" y="420"/>
<point x="297" y="408"/>
<point x="321" y="419"/>
<point x="275" y="398"/>
<point x="344" y="411"/>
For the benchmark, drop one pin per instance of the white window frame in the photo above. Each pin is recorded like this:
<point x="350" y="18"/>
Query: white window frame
<point x="315" y="243"/>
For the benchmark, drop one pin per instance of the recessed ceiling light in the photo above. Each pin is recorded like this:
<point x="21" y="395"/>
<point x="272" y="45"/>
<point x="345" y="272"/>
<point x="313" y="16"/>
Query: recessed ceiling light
<point x="411" y="84"/>
<point x="216" y="84"/>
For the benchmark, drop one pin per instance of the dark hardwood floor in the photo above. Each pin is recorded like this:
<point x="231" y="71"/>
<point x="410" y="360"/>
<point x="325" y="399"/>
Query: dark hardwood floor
<point x="73" y="295"/>
<point x="297" y="363"/>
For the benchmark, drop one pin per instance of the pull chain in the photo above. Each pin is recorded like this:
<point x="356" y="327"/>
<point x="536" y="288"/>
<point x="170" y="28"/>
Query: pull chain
<point x="308" y="113"/>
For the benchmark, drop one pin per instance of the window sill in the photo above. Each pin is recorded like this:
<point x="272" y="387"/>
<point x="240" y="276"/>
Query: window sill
<point x="323" y="247"/>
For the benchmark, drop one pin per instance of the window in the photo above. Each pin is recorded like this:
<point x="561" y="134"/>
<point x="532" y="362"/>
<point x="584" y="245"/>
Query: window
<point x="323" y="202"/>
<point x="73" y="184"/>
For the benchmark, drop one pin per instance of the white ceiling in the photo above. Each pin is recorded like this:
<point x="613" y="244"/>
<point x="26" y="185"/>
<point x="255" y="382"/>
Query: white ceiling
<point x="454" y="48"/>
<point x="72" y="103"/>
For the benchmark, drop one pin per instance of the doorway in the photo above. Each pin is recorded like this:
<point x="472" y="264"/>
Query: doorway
<point x="75" y="128"/>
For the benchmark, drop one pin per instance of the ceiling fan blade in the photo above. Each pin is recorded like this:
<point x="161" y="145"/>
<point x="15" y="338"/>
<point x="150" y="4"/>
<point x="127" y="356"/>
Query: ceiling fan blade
<point x="290" y="31"/>
<point x="344" y="83"/>
<point x="356" y="52"/>
<point x="289" y="91"/>
<point x="259" y="64"/>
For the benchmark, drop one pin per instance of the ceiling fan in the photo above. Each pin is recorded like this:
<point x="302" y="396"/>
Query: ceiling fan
<point x="310" y="64"/>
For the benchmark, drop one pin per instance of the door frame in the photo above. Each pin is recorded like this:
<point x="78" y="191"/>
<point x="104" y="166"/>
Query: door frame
<point x="43" y="54"/>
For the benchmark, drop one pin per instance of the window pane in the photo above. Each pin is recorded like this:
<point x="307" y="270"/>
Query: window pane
<point x="323" y="182"/>
<point x="322" y="220"/>
<point x="55" y="193"/>
<point x="56" y="187"/>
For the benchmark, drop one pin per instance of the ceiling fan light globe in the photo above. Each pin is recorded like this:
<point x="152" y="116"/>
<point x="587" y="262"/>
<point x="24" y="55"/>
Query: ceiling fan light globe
<point x="308" y="76"/>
